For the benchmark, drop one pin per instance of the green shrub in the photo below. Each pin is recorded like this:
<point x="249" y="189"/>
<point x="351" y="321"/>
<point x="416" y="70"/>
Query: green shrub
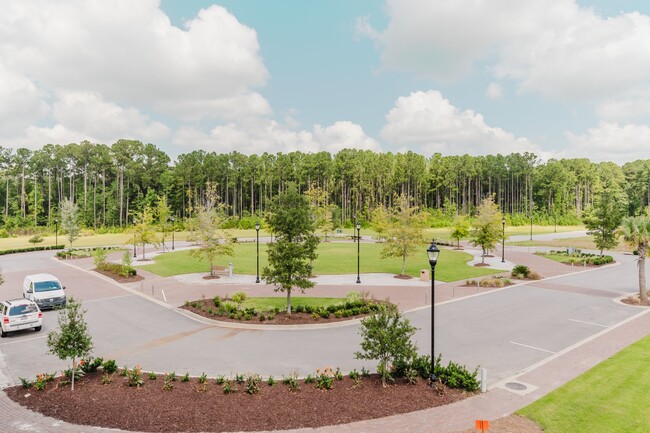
<point x="239" y="297"/>
<point x="109" y="366"/>
<point x="520" y="271"/>
<point x="217" y="301"/>
<point x="253" y="383"/>
<point x="457" y="376"/>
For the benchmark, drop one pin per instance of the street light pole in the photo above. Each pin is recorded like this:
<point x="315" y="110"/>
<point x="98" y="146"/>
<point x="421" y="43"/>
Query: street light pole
<point x="358" y="252"/>
<point x="257" y="229"/>
<point x="134" y="244"/>
<point x="56" y="231"/>
<point x="503" y="240"/>
<point x="433" y="253"/>
<point x="173" y="230"/>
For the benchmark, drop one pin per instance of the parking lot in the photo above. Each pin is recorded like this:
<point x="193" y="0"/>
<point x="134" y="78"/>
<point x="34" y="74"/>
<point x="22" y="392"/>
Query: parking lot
<point x="504" y="331"/>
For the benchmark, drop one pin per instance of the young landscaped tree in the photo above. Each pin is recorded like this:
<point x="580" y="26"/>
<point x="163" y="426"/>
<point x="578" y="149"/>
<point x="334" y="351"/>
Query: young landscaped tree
<point x="460" y="229"/>
<point x="604" y="217"/>
<point x="486" y="229"/>
<point x="404" y="234"/>
<point x="386" y="338"/>
<point x="72" y="340"/>
<point x="321" y="210"/>
<point x="294" y="246"/>
<point x="70" y="220"/>
<point x="636" y="232"/>
<point x="380" y="221"/>
<point x="143" y="229"/>
<point x="214" y="241"/>
<point x="163" y="214"/>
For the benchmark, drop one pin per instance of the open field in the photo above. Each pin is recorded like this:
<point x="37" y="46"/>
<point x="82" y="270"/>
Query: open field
<point x="333" y="258"/>
<point x="611" y="397"/>
<point x="125" y="238"/>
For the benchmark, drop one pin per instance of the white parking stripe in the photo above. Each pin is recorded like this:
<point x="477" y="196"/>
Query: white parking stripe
<point x="531" y="347"/>
<point x="589" y="323"/>
<point x="23" y="340"/>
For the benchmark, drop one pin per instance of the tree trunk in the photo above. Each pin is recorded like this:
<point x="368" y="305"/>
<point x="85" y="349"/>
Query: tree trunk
<point x="74" y="360"/>
<point x="643" y="295"/>
<point x="289" y="301"/>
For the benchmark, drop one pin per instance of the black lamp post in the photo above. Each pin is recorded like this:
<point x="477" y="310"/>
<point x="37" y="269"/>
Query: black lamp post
<point x="56" y="231"/>
<point x="358" y="252"/>
<point x="257" y="229"/>
<point x="134" y="251"/>
<point x="503" y="240"/>
<point x="173" y="230"/>
<point x="433" y="253"/>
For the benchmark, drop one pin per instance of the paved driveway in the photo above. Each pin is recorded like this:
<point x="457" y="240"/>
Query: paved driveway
<point x="504" y="331"/>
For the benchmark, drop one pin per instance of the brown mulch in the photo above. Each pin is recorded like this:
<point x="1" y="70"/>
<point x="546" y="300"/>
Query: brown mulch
<point x="211" y="277"/>
<point x="281" y="318"/>
<point x="403" y="277"/>
<point x="193" y="407"/>
<point x="478" y="265"/>
<point x="635" y="300"/>
<point x="120" y="278"/>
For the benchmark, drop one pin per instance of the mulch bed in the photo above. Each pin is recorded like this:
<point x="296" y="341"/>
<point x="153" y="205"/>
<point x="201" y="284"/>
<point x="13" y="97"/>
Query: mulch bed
<point x="120" y="278"/>
<point x="191" y="407"/>
<point x="403" y="277"/>
<point x="281" y="318"/>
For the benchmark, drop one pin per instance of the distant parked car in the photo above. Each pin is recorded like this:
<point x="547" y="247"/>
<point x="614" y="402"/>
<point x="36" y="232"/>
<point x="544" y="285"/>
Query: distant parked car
<point x="44" y="289"/>
<point x="18" y="314"/>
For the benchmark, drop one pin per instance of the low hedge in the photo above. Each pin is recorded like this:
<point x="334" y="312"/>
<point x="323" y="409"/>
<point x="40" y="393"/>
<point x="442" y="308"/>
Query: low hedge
<point x="118" y="269"/>
<point x="30" y="249"/>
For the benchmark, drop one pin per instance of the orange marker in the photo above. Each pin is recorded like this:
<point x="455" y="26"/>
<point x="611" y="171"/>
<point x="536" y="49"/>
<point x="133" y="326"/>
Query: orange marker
<point x="483" y="425"/>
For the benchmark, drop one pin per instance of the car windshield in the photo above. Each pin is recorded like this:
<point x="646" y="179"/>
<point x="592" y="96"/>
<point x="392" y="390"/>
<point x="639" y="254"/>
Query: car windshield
<point x="46" y="286"/>
<point x="22" y="309"/>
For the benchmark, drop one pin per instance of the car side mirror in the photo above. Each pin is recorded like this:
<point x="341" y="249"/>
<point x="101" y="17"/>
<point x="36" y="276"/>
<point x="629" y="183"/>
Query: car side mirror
<point x="29" y="291"/>
<point x="63" y="287"/>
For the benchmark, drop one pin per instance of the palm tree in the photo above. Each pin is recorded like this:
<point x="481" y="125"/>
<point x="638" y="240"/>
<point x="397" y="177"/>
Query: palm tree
<point x="636" y="232"/>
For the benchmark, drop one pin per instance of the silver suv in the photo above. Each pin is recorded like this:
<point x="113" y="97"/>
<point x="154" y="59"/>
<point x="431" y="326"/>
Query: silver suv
<point x="18" y="314"/>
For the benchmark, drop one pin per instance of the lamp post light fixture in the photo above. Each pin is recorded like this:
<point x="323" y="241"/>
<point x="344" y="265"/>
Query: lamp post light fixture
<point x="433" y="253"/>
<point x="56" y="231"/>
<point x="173" y="230"/>
<point x="503" y="239"/>
<point x="358" y="252"/>
<point x="257" y="229"/>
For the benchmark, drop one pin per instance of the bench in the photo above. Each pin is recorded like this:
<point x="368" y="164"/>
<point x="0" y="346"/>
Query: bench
<point x="220" y="270"/>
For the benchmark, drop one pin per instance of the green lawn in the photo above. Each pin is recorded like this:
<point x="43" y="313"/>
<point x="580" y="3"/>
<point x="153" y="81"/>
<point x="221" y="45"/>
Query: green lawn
<point x="269" y="303"/>
<point x="333" y="258"/>
<point x="612" y="397"/>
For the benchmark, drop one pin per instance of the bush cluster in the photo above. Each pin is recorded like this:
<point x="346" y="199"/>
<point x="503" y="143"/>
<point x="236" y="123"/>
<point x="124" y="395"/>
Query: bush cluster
<point x="30" y="249"/>
<point x="578" y="257"/>
<point x="117" y="269"/>
<point x="232" y="308"/>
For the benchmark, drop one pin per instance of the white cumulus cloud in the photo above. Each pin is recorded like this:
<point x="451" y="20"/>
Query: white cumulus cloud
<point x="428" y="120"/>
<point x="610" y="141"/>
<point x="554" y="47"/>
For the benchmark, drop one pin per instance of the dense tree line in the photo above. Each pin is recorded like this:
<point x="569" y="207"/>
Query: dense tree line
<point x="111" y="183"/>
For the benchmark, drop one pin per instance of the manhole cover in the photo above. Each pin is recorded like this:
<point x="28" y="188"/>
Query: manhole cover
<point x="516" y="386"/>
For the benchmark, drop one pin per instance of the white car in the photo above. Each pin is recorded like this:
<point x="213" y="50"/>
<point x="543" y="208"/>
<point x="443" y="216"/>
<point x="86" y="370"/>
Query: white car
<point x="18" y="314"/>
<point x="44" y="289"/>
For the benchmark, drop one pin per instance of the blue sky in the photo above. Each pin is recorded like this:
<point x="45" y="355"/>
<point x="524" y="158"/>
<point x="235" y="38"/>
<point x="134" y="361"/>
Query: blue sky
<point x="556" y="77"/>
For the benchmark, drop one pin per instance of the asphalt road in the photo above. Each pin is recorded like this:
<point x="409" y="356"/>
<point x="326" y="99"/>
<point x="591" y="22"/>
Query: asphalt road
<point x="504" y="331"/>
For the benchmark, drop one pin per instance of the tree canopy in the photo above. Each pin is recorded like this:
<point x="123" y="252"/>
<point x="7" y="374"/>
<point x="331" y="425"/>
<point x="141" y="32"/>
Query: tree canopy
<point x="294" y="246"/>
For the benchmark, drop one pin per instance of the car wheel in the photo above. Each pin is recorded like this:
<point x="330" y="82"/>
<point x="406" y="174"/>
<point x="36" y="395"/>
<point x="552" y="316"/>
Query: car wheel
<point x="38" y="328"/>
<point x="3" y="334"/>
